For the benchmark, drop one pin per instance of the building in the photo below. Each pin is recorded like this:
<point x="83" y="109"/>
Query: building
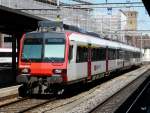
<point x="144" y="43"/>
<point x="111" y="26"/>
<point x="131" y="20"/>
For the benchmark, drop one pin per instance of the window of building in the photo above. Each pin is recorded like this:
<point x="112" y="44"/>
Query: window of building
<point x="130" y="22"/>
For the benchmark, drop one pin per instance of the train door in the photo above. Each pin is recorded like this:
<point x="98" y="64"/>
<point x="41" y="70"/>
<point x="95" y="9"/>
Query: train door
<point x="89" y="62"/>
<point x="71" y="67"/>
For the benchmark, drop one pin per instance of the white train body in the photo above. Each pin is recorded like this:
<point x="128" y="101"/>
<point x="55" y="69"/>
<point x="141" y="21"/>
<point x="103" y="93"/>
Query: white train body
<point x="62" y="58"/>
<point x="77" y="71"/>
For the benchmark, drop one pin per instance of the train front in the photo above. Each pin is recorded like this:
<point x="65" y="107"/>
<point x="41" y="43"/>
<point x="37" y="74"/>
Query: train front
<point x="42" y="63"/>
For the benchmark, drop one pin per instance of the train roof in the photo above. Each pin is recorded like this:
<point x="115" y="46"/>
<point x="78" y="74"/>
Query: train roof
<point x="101" y="42"/>
<point x="87" y="39"/>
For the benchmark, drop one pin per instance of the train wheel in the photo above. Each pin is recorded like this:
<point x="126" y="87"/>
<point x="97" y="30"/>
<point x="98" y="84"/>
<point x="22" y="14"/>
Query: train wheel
<point x="22" y="90"/>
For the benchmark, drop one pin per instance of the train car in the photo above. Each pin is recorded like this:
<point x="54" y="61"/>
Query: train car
<point x="5" y="57"/>
<point x="49" y="61"/>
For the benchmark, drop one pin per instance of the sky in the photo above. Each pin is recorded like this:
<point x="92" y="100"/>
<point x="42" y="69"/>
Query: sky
<point x="143" y="17"/>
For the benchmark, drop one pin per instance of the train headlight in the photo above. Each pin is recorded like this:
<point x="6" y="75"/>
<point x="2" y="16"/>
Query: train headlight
<point x="25" y="70"/>
<point x="57" y="71"/>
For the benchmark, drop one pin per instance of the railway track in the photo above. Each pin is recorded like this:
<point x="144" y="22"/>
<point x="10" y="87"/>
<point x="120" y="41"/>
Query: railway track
<point x="111" y="104"/>
<point x="72" y="104"/>
<point x="138" y="102"/>
<point x="52" y="104"/>
<point x="134" y="107"/>
<point x="23" y="105"/>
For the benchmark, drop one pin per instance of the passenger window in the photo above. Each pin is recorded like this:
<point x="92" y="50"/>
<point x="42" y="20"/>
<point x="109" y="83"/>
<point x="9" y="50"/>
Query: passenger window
<point x="112" y="54"/>
<point x="82" y="54"/>
<point x="98" y="54"/>
<point x="70" y="53"/>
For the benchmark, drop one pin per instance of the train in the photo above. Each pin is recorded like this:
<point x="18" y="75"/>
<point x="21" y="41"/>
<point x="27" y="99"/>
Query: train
<point x="5" y="57"/>
<point x="49" y="61"/>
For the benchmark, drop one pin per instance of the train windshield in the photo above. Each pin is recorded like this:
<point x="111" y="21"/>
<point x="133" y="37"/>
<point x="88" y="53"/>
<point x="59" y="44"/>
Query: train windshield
<point x="54" y="50"/>
<point x="32" y="49"/>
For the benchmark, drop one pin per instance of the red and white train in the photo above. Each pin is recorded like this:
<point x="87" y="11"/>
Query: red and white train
<point x="51" y="60"/>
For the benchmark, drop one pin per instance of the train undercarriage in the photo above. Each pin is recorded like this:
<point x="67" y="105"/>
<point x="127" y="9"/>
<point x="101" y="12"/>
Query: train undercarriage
<point x="40" y="85"/>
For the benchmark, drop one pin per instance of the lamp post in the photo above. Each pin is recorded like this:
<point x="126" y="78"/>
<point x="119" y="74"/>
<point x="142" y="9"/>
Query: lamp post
<point x="57" y="3"/>
<point x="141" y="44"/>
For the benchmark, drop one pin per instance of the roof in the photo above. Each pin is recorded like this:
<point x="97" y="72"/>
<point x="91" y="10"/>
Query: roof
<point x="96" y="41"/>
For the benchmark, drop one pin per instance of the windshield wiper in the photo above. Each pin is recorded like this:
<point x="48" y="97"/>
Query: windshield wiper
<point x="53" y="59"/>
<point x="26" y="58"/>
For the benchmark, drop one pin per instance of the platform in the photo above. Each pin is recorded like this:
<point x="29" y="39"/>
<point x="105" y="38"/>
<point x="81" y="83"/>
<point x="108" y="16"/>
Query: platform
<point x="5" y="92"/>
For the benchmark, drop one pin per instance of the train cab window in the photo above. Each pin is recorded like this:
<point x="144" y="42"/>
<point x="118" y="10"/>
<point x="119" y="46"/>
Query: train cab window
<point x="30" y="46"/>
<point x="82" y="54"/>
<point x="54" y="50"/>
<point x="70" y="53"/>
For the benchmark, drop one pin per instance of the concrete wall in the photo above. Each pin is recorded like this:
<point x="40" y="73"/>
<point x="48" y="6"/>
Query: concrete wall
<point x="6" y="77"/>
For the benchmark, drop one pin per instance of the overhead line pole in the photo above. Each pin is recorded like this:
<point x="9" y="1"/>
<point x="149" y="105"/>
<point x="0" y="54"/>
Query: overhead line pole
<point x="117" y="3"/>
<point x="105" y="5"/>
<point x="80" y="7"/>
<point x="82" y="1"/>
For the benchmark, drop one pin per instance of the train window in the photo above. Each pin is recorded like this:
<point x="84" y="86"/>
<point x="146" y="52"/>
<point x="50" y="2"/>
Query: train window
<point x="139" y="55"/>
<point x="94" y="54"/>
<point x="102" y="54"/>
<point x="111" y="54"/>
<point x="121" y="54"/>
<point x="82" y="54"/>
<point x="5" y="54"/>
<point x="32" y="41"/>
<point x="29" y="48"/>
<point x="85" y="54"/>
<point x="98" y="54"/>
<point x="136" y="55"/>
<point x="54" y="50"/>
<point x="126" y="55"/>
<point x="70" y="53"/>
<point x="117" y="53"/>
<point x="55" y="40"/>
<point x="131" y="54"/>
